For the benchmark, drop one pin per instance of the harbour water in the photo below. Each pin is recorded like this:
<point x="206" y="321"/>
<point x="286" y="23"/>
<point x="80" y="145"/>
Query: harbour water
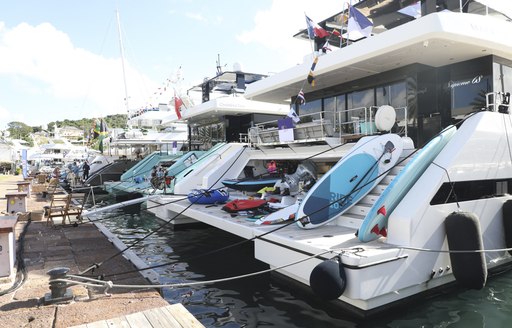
<point x="263" y="301"/>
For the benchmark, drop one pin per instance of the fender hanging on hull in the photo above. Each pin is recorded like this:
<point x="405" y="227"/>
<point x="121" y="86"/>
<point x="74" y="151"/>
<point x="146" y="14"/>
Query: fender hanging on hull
<point x="328" y="280"/>
<point x="507" y="223"/>
<point x="464" y="234"/>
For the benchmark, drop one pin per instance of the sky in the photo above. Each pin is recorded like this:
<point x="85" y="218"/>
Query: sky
<point x="61" y="59"/>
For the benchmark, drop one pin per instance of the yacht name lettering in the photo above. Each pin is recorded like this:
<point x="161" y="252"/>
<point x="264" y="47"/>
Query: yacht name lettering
<point x="477" y="79"/>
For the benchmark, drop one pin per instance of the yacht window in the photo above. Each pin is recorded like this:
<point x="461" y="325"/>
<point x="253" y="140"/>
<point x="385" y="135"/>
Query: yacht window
<point x="470" y="190"/>
<point x="341" y="112"/>
<point x="363" y="98"/>
<point x="468" y="93"/>
<point x="358" y="102"/>
<point x="309" y="109"/>
<point x="330" y="108"/>
<point x="398" y="92"/>
<point x="502" y="77"/>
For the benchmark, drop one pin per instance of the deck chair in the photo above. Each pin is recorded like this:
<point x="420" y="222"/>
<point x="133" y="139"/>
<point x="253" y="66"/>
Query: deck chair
<point x="58" y="207"/>
<point x="75" y="206"/>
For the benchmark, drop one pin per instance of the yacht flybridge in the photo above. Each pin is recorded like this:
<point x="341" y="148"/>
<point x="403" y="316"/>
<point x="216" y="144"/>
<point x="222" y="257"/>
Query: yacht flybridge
<point x="441" y="215"/>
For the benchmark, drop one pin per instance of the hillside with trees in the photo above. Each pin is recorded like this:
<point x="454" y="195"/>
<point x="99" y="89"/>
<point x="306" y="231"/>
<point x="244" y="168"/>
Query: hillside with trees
<point x="113" y="121"/>
<point x="20" y="130"/>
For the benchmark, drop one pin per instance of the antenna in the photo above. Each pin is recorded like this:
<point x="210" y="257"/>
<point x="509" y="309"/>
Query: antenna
<point x="219" y="68"/>
<point x="122" y="62"/>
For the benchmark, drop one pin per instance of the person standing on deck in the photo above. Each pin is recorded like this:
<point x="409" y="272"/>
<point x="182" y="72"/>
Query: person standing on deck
<point x="86" y="169"/>
<point x="76" y="171"/>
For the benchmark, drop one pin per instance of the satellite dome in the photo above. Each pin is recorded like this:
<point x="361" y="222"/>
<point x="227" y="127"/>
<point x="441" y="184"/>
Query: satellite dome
<point x="385" y="118"/>
<point x="237" y="67"/>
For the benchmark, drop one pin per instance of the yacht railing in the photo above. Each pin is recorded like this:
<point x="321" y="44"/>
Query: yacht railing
<point x="346" y="125"/>
<point x="311" y="128"/>
<point x="498" y="102"/>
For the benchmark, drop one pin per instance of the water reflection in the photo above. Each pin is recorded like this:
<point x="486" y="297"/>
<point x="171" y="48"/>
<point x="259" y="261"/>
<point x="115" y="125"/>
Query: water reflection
<point x="263" y="301"/>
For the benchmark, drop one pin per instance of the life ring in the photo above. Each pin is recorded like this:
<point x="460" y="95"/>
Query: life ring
<point x="328" y="280"/>
<point x="464" y="234"/>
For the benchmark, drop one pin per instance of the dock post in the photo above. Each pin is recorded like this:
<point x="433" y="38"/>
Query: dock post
<point x="16" y="202"/>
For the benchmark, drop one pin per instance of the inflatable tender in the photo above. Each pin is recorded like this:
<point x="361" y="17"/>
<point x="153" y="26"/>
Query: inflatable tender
<point x="205" y="196"/>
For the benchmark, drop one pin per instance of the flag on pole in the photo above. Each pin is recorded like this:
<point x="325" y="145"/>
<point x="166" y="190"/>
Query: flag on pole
<point x="293" y="115"/>
<point x="300" y="98"/>
<point x="311" y="75"/>
<point x="358" y="25"/>
<point x="315" y="30"/>
<point x="326" y="47"/>
<point x="177" y="105"/>
<point x="285" y="129"/>
<point x="100" y="132"/>
<point x="413" y="10"/>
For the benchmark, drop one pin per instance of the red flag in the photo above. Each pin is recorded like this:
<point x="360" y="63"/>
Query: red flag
<point x="315" y="30"/>
<point x="177" y="105"/>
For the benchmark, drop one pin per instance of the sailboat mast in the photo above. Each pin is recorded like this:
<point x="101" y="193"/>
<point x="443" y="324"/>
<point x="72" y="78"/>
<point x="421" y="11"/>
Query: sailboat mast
<point x="123" y="64"/>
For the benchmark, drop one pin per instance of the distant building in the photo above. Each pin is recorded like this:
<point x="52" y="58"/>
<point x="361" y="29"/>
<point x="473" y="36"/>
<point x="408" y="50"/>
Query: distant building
<point x="71" y="133"/>
<point x="42" y="133"/>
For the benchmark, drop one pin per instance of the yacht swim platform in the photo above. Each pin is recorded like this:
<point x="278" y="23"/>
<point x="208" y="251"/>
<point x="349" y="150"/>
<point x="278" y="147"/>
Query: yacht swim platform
<point x="331" y="239"/>
<point x="329" y="236"/>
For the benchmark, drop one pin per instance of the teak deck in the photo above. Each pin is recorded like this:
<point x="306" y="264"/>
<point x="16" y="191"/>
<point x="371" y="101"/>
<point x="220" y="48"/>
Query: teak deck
<point x="170" y="316"/>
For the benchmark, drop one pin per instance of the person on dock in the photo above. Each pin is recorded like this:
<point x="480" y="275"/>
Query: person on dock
<point x="56" y="172"/>
<point x="76" y="172"/>
<point x="86" y="169"/>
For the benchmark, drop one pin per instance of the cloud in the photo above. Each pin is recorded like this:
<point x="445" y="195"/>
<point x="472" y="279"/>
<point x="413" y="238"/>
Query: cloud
<point x="42" y="60"/>
<point x="274" y="28"/>
<point x="196" y="16"/>
<point x="7" y="117"/>
<point x="4" y="118"/>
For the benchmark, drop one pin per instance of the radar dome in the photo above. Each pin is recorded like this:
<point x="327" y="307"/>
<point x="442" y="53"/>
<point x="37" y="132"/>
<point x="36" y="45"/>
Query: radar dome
<point x="237" y="67"/>
<point x="385" y="118"/>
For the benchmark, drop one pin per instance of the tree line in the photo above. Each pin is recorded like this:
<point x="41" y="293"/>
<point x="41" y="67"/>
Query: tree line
<point x="20" y="130"/>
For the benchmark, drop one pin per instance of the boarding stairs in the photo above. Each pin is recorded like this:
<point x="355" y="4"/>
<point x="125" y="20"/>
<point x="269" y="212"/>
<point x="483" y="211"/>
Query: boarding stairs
<point x="354" y="216"/>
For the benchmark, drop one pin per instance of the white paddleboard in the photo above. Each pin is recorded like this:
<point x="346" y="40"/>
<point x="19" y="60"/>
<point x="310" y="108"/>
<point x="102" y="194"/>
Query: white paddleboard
<point x="280" y="216"/>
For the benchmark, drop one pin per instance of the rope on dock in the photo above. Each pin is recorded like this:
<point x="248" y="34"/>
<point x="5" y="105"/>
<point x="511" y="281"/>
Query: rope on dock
<point x="107" y="285"/>
<point x="91" y="282"/>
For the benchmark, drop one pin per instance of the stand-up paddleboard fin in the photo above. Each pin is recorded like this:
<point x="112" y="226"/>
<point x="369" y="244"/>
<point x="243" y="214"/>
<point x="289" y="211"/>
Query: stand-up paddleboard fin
<point x="402" y="183"/>
<point x="382" y="210"/>
<point x="382" y="232"/>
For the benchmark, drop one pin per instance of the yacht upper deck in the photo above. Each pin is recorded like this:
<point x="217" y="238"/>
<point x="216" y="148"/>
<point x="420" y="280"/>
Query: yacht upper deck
<point x="434" y="40"/>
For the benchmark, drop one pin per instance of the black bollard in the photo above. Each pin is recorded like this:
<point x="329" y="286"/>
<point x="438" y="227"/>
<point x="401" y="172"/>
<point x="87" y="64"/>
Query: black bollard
<point x="59" y="291"/>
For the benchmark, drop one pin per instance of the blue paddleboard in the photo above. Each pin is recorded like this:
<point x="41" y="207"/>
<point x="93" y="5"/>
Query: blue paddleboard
<point x="253" y="184"/>
<point x="352" y="178"/>
<point x="375" y="223"/>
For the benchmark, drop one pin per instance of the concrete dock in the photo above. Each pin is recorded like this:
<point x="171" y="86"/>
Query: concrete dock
<point x="76" y="247"/>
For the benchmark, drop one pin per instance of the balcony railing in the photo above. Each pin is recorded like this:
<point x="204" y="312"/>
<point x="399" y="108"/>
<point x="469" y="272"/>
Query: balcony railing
<point x="347" y="125"/>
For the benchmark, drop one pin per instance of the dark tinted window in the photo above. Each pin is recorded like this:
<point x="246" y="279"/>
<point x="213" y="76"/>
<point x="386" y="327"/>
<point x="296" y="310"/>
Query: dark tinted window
<point x="470" y="190"/>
